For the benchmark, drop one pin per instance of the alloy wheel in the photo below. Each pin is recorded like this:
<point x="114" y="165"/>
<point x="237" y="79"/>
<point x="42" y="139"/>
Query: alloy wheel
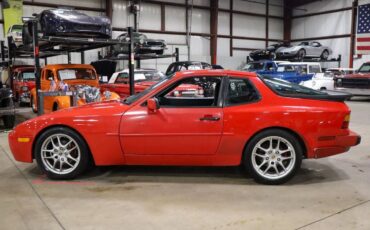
<point x="60" y="154"/>
<point x="273" y="157"/>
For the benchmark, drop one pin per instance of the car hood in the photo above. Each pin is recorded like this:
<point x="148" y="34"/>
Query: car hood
<point x="289" y="49"/>
<point x="356" y="75"/>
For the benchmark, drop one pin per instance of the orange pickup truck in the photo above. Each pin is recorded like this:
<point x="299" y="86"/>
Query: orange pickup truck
<point x="70" y="77"/>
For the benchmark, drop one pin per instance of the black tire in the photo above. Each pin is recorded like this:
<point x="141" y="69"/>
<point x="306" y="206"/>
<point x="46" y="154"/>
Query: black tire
<point x="33" y="105"/>
<point x="159" y="52"/>
<point x="9" y="121"/>
<point x="322" y="88"/>
<point x="55" y="107"/>
<point x="324" y="55"/>
<point x="81" y="166"/>
<point x="272" y="158"/>
<point x="301" y="54"/>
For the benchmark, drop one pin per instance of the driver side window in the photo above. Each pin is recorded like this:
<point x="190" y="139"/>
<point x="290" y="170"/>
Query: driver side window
<point x="192" y="92"/>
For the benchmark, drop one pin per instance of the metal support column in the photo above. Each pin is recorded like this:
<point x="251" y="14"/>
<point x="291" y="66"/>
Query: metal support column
<point x="213" y="26"/>
<point x="82" y="57"/>
<point x="177" y="54"/>
<point x="138" y="63"/>
<point x="131" y="61"/>
<point x="69" y="58"/>
<point x="2" y="51"/>
<point x="37" y="66"/>
<point x="353" y="32"/>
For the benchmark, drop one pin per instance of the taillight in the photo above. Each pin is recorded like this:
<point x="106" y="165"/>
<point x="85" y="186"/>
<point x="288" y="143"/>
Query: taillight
<point x="345" y="123"/>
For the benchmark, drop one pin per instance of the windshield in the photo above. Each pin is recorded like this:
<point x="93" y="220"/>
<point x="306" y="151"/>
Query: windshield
<point x="28" y="76"/>
<point x="136" y="97"/>
<point x="365" y="68"/>
<point x="17" y="28"/>
<point x="140" y="76"/>
<point x="292" y="68"/>
<point x="286" y="88"/>
<point x="254" y="66"/>
<point x="76" y="74"/>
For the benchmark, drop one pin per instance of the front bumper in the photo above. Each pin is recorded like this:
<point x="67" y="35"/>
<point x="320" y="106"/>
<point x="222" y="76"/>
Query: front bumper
<point x="354" y="91"/>
<point x="21" y="149"/>
<point x="339" y="144"/>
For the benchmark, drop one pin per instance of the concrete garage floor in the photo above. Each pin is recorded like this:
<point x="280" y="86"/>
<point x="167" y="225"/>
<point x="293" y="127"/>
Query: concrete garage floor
<point x="331" y="193"/>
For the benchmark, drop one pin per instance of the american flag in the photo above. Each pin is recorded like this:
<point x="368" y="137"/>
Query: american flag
<point x="363" y="29"/>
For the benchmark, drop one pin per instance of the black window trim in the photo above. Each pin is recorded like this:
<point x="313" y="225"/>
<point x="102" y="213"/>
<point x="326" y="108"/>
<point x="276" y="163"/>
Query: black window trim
<point x="226" y="91"/>
<point x="220" y="100"/>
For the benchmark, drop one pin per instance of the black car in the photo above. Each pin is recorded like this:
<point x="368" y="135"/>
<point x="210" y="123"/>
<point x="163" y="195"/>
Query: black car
<point x="7" y="109"/>
<point x="68" y="22"/>
<point x="268" y="53"/>
<point x="188" y="65"/>
<point x="142" y="45"/>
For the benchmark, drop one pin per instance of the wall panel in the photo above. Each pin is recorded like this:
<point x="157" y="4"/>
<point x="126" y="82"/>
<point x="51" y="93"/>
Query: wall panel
<point x="175" y="18"/>
<point x="249" y="26"/>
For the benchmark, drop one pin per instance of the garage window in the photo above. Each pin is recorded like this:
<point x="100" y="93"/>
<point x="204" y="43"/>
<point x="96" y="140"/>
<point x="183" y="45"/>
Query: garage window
<point x="240" y="91"/>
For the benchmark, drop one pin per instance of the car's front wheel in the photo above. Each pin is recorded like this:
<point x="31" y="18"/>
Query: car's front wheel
<point x="301" y="54"/>
<point x="325" y="55"/>
<point x="273" y="156"/>
<point x="61" y="153"/>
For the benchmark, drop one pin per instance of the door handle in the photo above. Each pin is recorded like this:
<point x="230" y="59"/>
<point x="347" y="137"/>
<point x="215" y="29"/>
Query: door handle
<point x="209" y="118"/>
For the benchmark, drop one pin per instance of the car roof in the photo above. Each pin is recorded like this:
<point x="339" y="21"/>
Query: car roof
<point x="214" y="73"/>
<point x="300" y="63"/>
<point x="137" y="70"/>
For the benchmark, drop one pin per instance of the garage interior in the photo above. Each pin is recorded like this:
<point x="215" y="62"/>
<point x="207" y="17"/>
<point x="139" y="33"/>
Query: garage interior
<point x="327" y="193"/>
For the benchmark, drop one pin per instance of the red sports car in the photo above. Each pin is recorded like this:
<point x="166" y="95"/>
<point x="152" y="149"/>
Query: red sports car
<point x="23" y="83"/>
<point x="267" y="125"/>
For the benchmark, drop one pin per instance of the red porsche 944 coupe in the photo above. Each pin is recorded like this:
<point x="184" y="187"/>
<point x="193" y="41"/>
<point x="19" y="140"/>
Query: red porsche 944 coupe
<point x="265" y="124"/>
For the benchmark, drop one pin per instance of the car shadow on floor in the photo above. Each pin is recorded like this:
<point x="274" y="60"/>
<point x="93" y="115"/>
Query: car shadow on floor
<point x="312" y="172"/>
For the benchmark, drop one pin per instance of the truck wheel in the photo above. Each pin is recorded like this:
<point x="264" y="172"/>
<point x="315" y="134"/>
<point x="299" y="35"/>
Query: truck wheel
<point x="9" y="121"/>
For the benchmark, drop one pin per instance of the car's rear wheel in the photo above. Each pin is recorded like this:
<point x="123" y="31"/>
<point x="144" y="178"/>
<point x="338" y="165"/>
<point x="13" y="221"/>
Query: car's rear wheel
<point x="61" y="153"/>
<point x="325" y="55"/>
<point x="33" y="105"/>
<point x="273" y="156"/>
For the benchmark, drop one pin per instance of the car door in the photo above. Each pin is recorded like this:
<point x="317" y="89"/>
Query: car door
<point x="183" y="125"/>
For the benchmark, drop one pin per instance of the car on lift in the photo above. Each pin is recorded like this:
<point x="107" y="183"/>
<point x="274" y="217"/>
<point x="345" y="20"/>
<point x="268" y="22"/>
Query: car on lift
<point x="188" y="65"/>
<point x="80" y="78"/>
<point x="265" y="124"/>
<point x="15" y="34"/>
<point x="23" y="83"/>
<point x="269" y="53"/>
<point x="357" y="83"/>
<point x="296" y="72"/>
<point x="305" y="50"/>
<point x="142" y="45"/>
<point x="67" y="22"/>
<point x="144" y="78"/>
<point x="263" y="66"/>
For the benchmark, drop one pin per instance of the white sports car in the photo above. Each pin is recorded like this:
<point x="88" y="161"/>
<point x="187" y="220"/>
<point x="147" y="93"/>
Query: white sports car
<point x="325" y="81"/>
<point x="303" y="50"/>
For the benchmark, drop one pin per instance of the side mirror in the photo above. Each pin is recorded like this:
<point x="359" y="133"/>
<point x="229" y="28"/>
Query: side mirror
<point x="152" y="104"/>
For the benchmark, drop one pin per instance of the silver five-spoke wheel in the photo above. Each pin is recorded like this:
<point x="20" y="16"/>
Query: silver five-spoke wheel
<point x="60" y="154"/>
<point x="273" y="157"/>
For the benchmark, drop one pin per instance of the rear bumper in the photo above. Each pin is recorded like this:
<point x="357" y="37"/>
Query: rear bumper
<point x="339" y="144"/>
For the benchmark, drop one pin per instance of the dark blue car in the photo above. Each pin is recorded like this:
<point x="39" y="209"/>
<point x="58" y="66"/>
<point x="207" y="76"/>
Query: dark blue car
<point x="296" y="72"/>
<point x="262" y="67"/>
<point x="68" y="22"/>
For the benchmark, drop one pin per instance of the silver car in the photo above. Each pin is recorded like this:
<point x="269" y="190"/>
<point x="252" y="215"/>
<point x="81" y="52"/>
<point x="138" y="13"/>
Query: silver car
<point x="303" y="50"/>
